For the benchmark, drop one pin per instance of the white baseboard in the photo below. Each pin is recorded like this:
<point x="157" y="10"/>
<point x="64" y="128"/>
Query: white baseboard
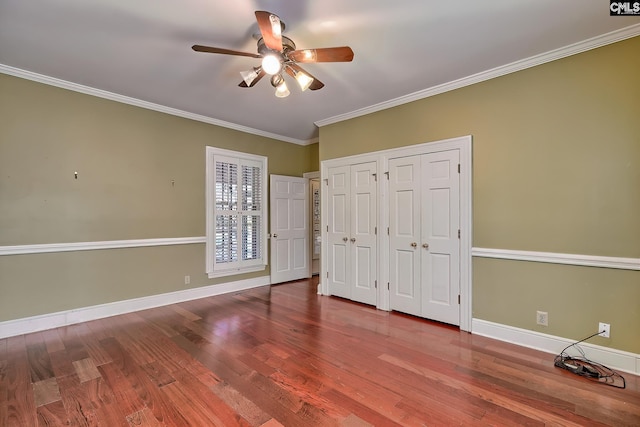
<point x="63" y="318"/>
<point x="618" y="360"/>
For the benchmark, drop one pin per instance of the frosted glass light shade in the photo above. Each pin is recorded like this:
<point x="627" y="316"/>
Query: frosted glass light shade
<point x="282" y="91"/>
<point x="304" y="80"/>
<point x="249" y="76"/>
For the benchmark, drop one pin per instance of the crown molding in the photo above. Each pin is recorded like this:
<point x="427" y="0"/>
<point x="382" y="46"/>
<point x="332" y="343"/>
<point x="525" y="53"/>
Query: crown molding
<point x="87" y="90"/>
<point x="563" y="52"/>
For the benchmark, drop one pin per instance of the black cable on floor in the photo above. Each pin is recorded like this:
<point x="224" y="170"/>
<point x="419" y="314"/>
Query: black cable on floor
<point x="587" y="368"/>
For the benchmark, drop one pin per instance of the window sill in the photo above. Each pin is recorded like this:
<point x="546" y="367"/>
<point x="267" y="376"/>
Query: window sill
<point x="235" y="271"/>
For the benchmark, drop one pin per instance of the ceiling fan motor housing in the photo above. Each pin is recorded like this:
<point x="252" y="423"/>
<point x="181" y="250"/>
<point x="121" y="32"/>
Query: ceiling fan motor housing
<point x="287" y="46"/>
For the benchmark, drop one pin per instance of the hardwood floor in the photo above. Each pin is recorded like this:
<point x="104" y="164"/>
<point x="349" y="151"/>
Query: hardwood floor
<point x="285" y="356"/>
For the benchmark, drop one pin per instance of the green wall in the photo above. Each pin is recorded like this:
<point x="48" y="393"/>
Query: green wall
<point x="556" y="168"/>
<point x="141" y="175"/>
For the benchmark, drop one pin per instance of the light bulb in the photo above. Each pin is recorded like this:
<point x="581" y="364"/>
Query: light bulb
<point x="282" y="91"/>
<point x="304" y="80"/>
<point x="271" y="64"/>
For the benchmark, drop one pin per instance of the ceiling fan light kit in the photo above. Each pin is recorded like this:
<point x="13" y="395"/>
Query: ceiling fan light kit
<point x="279" y="53"/>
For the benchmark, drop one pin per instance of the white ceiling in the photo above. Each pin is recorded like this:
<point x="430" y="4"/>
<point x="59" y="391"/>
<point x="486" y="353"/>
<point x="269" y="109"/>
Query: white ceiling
<point x="141" y="49"/>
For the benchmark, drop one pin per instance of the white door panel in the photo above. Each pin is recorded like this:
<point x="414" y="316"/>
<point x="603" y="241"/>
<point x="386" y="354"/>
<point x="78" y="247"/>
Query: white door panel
<point x="441" y="214"/>
<point x="404" y="235"/>
<point x="299" y="210"/>
<point x="282" y="263"/>
<point x="300" y="253"/>
<point x="289" y="228"/>
<point x="363" y="237"/>
<point x="338" y="274"/>
<point x="338" y="233"/>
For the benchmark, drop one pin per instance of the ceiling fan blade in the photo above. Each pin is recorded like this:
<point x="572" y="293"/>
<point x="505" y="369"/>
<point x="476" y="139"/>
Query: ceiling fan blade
<point x="271" y="29"/>
<point x="209" y="49"/>
<point x="293" y="69"/>
<point x="326" y="54"/>
<point x="260" y="75"/>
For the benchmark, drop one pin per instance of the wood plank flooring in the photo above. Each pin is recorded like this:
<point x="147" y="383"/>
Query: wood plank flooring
<point x="284" y="356"/>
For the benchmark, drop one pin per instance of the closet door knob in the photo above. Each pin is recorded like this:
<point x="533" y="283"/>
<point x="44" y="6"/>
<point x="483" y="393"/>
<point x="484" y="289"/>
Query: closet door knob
<point x="425" y="245"/>
<point x="344" y="239"/>
<point x="414" y="245"/>
<point x="353" y="240"/>
<point x="275" y="236"/>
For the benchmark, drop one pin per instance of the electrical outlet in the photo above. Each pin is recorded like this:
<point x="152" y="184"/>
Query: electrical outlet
<point x="604" y="329"/>
<point x="542" y="318"/>
<point x="187" y="280"/>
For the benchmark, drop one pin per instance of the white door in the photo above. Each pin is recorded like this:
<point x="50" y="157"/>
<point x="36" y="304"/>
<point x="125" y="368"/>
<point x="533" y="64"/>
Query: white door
<point x="289" y="213"/>
<point x="352" y="240"/>
<point x="363" y="239"/>
<point x="338" y="205"/>
<point x="424" y="219"/>
<point x="440" y="244"/>
<point x="404" y="235"/>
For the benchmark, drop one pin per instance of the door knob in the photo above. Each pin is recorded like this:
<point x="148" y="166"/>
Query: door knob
<point x="414" y="245"/>
<point x="344" y="239"/>
<point x="275" y="236"/>
<point x="425" y="245"/>
<point x="353" y="240"/>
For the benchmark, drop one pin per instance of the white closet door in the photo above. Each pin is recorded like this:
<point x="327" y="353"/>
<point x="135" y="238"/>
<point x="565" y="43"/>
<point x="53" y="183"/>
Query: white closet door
<point x="363" y="239"/>
<point x="424" y="249"/>
<point x="289" y="228"/>
<point x="338" y="244"/>
<point x="440" y="245"/>
<point x="404" y="235"/>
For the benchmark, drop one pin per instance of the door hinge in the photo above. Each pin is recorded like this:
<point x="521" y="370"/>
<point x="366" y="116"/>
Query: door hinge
<point x="375" y="230"/>
<point x="458" y="233"/>
<point x="326" y="181"/>
<point x="387" y="285"/>
<point x="458" y="167"/>
<point x="387" y="173"/>
<point x="327" y="274"/>
<point x="387" y="231"/>
<point x="458" y="299"/>
<point x="375" y="284"/>
<point x="375" y="176"/>
<point x="327" y="228"/>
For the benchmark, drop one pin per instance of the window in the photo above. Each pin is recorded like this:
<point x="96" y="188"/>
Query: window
<point x="236" y="212"/>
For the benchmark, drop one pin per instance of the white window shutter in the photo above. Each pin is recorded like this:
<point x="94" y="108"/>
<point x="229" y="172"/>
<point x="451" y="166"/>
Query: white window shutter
<point x="235" y="212"/>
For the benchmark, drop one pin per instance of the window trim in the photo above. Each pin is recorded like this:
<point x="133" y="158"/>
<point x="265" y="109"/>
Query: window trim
<point x="213" y="269"/>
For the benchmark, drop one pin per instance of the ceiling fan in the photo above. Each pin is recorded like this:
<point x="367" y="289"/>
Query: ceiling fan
<point x="279" y="55"/>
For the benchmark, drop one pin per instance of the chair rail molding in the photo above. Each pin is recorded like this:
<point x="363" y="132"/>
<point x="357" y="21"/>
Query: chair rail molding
<point x="89" y="246"/>
<point x="559" y="258"/>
